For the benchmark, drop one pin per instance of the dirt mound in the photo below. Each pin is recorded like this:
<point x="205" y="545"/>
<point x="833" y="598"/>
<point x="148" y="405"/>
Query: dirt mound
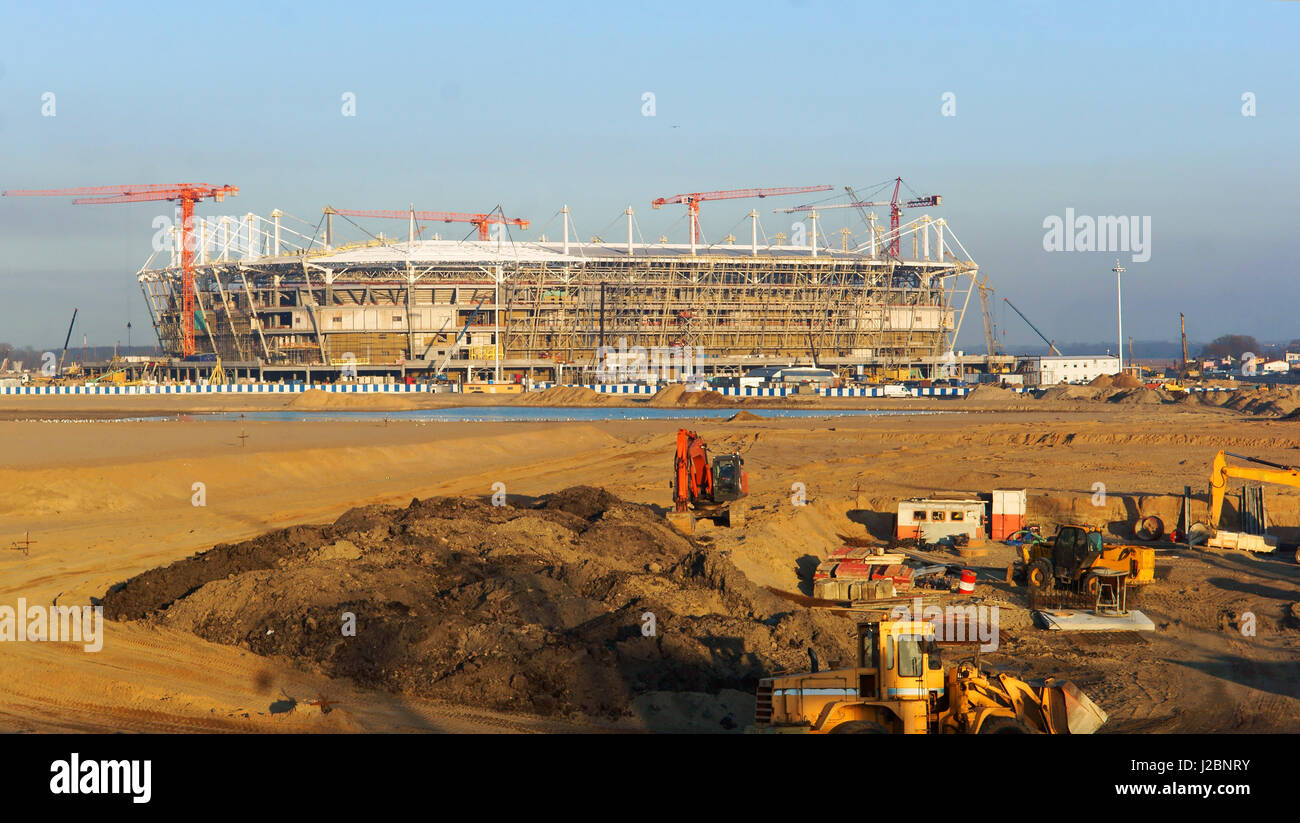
<point x="744" y="415"/>
<point x="1140" y="396"/>
<point x="1263" y="401"/>
<point x="571" y="396"/>
<point x="1102" y="381"/>
<point x="1125" y="381"/>
<point x="578" y="605"/>
<point x="678" y="395"/>
<point x="991" y="393"/>
<point x="1065" y="391"/>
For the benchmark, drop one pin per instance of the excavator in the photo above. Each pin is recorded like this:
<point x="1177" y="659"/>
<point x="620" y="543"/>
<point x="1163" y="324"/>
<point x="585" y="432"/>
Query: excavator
<point x="715" y="490"/>
<point x="1220" y="472"/>
<point x="900" y="686"/>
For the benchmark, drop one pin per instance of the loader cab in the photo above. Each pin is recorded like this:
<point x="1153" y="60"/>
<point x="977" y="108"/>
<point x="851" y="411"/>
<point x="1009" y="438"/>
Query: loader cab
<point x="1074" y="550"/>
<point x="898" y="660"/>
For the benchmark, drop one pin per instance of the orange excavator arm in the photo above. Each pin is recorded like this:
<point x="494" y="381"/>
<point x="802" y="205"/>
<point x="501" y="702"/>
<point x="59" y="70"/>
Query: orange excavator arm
<point x="1220" y="471"/>
<point x="692" y="478"/>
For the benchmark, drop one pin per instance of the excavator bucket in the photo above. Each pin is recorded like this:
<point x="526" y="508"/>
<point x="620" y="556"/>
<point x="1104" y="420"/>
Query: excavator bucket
<point x="1071" y="711"/>
<point x="683" y="522"/>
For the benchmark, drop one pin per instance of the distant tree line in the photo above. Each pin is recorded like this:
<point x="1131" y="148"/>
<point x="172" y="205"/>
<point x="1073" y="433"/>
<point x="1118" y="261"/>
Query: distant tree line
<point x="30" y="358"/>
<point x="1235" y="345"/>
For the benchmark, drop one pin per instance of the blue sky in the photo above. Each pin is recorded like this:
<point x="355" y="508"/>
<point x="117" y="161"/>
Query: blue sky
<point x="1109" y="108"/>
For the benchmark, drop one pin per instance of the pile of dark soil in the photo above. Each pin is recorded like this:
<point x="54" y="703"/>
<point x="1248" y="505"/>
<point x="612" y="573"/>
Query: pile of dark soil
<point x="539" y="608"/>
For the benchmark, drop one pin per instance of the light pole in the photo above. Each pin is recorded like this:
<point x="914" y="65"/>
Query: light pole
<point x="1119" y="305"/>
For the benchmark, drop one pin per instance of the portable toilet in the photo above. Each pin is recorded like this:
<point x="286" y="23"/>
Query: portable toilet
<point x="1008" y="512"/>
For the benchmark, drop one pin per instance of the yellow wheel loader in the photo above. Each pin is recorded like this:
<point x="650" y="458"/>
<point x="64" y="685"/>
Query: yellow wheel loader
<point x="900" y="686"/>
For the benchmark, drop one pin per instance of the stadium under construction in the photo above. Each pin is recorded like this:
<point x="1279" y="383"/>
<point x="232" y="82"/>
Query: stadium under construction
<point x="274" y="303"/>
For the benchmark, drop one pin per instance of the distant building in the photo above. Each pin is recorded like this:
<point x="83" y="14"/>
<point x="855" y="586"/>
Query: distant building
<point x="788" y="376"/>
<point x="1275" y="367"/>
<point x="1048" y="371"/>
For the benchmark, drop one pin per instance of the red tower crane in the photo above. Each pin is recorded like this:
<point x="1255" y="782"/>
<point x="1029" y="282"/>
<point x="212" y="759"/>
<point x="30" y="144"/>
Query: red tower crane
<point x="694" y="199"/>
<point x="187" y="193"/>
<point x="895" y="209"/>
<point x="481" y="221"/>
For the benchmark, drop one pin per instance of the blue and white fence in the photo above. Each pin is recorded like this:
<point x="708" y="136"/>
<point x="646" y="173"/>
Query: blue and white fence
<point x="603" y="388"/>
<point x="403" y="388"/>
<point x="766" y="391"/>
<point x="249" y="388"/>
<point x="637" y="388"/>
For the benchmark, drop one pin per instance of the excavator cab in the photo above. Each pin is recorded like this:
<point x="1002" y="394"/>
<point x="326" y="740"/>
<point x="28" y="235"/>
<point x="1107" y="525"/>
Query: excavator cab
<point x="730" y="482"/>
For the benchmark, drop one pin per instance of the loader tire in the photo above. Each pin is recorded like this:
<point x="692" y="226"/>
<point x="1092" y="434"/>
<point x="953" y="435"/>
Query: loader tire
<point x="1038" y="575"/>
<point x="1005" y="725"/>
<point x="1091" y="585"/>
<point x="859" y="727"/>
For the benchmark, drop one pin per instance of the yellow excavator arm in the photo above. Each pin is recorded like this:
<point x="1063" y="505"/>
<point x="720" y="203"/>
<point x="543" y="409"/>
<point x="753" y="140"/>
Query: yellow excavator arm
<point x="1220" y="471"/>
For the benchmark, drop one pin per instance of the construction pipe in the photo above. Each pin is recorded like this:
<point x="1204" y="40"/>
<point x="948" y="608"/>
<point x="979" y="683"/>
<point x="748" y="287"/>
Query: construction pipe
<point x="250" y="222"/>
<point x="496" y="323"/>
<point x="628" y="211"/>
<point x="565" y="212"/>
<point x="753" y="233"/>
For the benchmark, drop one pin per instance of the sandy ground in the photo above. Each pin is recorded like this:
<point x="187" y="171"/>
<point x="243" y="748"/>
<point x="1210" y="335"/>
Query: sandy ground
<point x="105" y="501"/>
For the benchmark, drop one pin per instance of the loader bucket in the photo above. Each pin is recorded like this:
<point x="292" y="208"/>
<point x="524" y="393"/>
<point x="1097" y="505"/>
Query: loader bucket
<point x="1072" y="711"/>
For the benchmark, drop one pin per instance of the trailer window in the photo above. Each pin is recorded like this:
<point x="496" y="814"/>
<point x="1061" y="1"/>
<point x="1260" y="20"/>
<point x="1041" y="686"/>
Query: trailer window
<point x="918" y="515"/>
<point x="957" y="516"/>
<point x="889" y="652"/>
<point x="937" y="516"/>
